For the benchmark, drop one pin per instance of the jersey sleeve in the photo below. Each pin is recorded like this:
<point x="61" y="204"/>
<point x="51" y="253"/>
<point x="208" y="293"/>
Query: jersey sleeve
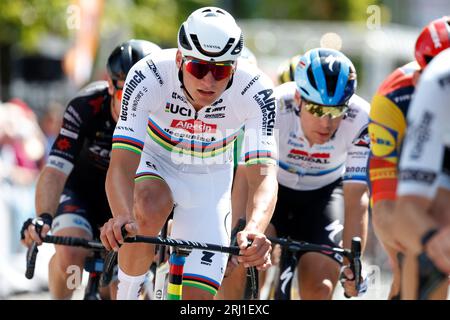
<point x="259" y="144"/>
<point x="424" y="145"/>
<point x="68" y="144"/>
<point x="386" y="131"/>
<point x="358" y="148"/>
<point x="140" y="94"/>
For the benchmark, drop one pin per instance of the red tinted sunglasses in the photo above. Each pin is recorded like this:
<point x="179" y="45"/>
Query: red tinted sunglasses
<point x="199" y="68"/>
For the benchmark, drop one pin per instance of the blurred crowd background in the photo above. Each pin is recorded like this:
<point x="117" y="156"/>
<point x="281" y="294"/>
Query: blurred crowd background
<point x="49" y="49"/>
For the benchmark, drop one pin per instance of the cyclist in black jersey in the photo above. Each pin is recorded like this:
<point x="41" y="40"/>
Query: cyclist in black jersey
<point x="70" y="193"/>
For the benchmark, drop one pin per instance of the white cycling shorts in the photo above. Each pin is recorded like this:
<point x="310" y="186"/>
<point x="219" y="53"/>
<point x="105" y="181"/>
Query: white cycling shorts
<point x="202" y="213"/>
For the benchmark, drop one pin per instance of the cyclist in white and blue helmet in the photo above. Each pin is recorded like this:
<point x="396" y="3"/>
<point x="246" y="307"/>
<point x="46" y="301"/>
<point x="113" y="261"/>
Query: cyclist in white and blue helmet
<point x="326" y="77"/>
<point x="323" y="152"/>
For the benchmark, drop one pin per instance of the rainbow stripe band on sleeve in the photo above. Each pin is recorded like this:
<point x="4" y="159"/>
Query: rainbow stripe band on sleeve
<point x="259" y="157"/>
<point x="201" y="282"/>
<point x="174" y="288"/>
<point x="141" y="176"/>
<point x="127" y="143"/>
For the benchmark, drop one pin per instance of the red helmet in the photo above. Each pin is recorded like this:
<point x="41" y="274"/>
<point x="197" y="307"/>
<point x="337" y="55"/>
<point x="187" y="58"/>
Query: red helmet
<point x="434" y="38"/>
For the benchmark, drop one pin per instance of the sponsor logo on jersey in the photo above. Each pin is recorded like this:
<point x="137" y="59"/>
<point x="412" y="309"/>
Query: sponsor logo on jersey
<point x="250" y="84"/>
<point x="356" y="170"/>
<point x="351" y="113"/>
<point x="420" y="135"/>
<point x="211" y="110"/>
<point x="102" y="152"/>
<point x="402" y="98"/>
<point x="150" y="165"/>
<point x="154" y="69"/>
<point x="421" y="176"/>
<point x="383" y="173"/>
<point x="217" y="102"/>
<point x="318" y="157"/>
<point x="175" y="95"/>
<point x="68" y="133"/>
<point x="63" y="144"/>
<point x="125" y="128"/>
<point x="136" y="100"/>
<point x="130" y="86"/>
<point x="215" y="116"/>
<point x="363" y="139"/>
<point x="381" y="139"/>
<point x="266" y="102"/>
<point x="207" y="258"/>
<point x="176" y="109"/>
<point x="194" y="126"/>
<point x="444" y="81"/>
<point x="56" y="163"/>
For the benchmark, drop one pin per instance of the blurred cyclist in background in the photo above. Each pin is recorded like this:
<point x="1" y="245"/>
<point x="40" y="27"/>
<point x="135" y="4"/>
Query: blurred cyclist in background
<point x="286" y="70"/>
<point x="70" y="193"/>
<point x="387" y="129"/>
<point x="422" y="212"/>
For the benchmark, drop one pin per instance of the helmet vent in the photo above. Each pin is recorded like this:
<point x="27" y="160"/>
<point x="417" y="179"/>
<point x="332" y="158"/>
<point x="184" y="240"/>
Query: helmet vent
<point x="208" y="53"/>
<point x="311" y="78"/>
<point x="239" y="45"/>
<point x="183" y="39"/>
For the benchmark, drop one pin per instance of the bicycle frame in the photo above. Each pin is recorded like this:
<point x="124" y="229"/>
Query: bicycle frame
<point x="288" y="262"/>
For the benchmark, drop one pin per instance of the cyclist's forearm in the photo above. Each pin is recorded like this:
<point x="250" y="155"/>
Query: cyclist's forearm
<point x="119" y="188"/>
<point x="356" y="215"/>
<point x="412" y="221"/>
<point x="262" y="196"/>
<point x="48" y="190"/>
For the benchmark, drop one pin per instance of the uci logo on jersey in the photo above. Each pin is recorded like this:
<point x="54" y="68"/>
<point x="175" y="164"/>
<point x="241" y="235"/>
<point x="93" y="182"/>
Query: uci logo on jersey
<point x="176" y="109"/>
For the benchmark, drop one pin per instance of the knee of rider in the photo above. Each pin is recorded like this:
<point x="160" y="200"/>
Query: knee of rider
<point x="150" y="205"/>
<point x="70" y="258"/>
<point x="320" y="289"/>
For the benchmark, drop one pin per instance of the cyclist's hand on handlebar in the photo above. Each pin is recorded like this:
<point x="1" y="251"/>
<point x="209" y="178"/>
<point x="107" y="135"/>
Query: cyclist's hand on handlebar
<point x="111" y="233"/>
<point x="347" y="280"/>
<point x="258" y="253"/>
<point x="438" y="249"/>
<point x="28" y="233"/>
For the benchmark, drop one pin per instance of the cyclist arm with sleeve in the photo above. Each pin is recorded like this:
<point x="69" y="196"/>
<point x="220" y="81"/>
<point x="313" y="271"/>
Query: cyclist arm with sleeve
<point x="128" y="142"/>
<point x="355" y="179"/>
<point x="63" y="154"/>
<point x="355" y="200"/>
<point x="260" y="154"/>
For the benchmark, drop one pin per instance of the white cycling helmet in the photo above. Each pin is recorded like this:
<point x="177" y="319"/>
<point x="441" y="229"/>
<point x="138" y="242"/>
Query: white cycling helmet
<point x="210" y="34"/>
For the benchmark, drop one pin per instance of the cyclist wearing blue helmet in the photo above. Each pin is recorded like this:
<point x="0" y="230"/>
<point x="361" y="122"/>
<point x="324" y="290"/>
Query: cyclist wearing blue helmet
<point x="323" y="151"/>
<point x="324" y="148"/>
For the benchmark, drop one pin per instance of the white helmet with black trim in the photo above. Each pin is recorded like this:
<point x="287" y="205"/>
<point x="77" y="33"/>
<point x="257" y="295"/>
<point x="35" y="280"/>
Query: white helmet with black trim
<point x="210" y="34"/>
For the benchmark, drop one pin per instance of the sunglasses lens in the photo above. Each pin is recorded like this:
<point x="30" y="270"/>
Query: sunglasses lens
<point x="320" y="111"/>
<point x="197" y="69"/>
<point x="221" y="72"/>
<point x="200" y="69"/>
